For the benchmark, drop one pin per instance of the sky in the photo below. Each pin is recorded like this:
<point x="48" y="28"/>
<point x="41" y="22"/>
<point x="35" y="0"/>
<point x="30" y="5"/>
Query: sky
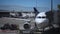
<point x="43" y="5"/>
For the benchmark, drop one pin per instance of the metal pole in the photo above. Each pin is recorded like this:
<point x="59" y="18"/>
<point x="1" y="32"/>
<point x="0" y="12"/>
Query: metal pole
<point x="51" y="5"/>
<point x="36" y="3"/>
<point x="50" y="14"/>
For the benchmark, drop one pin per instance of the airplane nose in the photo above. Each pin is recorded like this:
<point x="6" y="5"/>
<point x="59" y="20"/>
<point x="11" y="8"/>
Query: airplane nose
<point x="40" y="20"/>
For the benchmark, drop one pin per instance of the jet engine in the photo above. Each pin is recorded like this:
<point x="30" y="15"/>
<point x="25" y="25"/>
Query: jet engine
<point x="27" y="25"/>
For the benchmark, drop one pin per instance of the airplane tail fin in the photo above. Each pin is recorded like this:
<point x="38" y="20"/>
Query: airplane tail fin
<point x="35" y="11"/>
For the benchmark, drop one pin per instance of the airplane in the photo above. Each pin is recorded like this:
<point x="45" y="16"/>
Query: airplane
<point x="19" y="15"/>
<point x="13" y="14"/>
<point x="40" y="19"/>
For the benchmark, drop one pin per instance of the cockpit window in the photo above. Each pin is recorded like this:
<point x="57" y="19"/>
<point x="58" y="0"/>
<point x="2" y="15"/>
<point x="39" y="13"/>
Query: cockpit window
<point x="41" y="17"/>
<point x="38" y="17"/>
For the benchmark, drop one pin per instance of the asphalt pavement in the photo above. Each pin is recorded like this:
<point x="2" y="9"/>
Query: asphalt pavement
<point x="20" y="22"/>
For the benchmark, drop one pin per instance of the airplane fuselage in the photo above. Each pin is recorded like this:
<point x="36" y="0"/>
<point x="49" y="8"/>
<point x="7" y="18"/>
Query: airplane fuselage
<point x="41" y="20"/>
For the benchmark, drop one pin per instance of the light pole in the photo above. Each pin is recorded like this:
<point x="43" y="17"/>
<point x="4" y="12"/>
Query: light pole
<point x="51" y="5"/>
<point x="36" y="3"/>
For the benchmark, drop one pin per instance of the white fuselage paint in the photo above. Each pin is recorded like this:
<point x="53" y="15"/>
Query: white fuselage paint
<point x="41" y="20"/>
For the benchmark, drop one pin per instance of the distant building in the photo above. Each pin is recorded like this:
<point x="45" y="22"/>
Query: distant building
<point x="6" y="13"/>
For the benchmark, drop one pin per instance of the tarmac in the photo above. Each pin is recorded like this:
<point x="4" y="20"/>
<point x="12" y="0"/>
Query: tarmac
<point x="20" y="22"/>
